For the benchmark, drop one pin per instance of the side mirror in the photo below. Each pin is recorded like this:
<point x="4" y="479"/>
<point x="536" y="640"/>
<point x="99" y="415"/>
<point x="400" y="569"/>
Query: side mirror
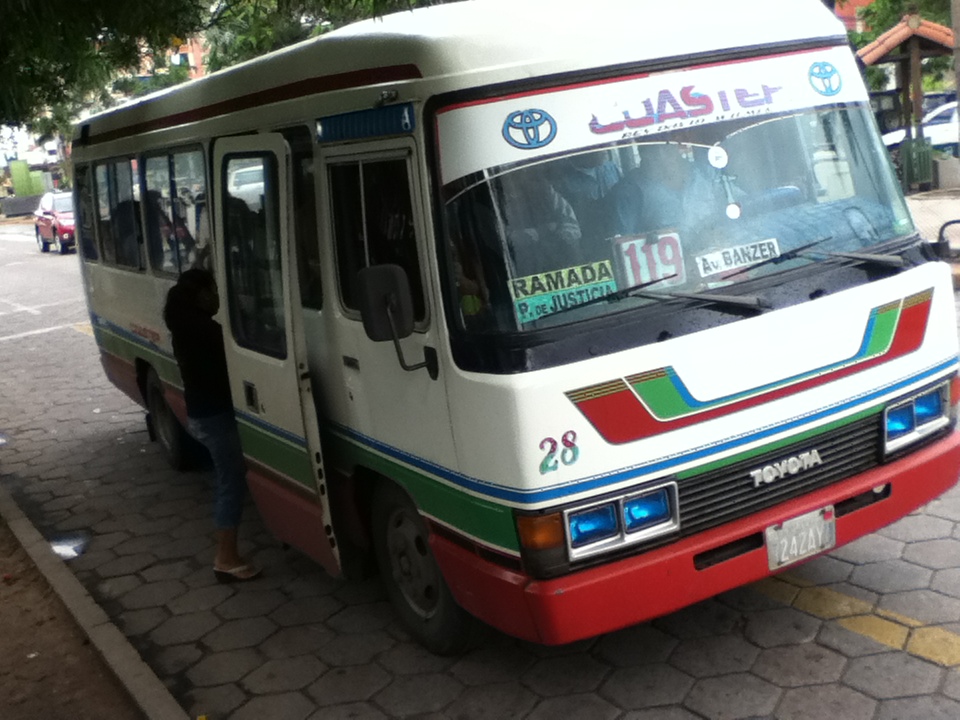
<point x="942" y="246"/>
<point x="386" y="307"/>
<point x="386" y="303"/>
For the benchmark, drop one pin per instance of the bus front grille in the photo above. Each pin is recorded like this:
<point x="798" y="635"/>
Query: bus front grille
<point x="731" y="492"/>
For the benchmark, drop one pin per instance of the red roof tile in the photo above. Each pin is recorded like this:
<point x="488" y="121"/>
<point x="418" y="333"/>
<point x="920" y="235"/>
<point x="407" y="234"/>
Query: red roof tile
<point x="910" y="25"/>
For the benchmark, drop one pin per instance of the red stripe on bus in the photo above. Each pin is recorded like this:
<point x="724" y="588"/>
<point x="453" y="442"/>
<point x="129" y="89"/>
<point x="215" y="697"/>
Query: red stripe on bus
<point x="281" y="93"/>
<point x="622" y="418"/>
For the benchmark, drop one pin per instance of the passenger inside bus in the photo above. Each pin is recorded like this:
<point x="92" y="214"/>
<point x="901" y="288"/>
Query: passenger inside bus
<point x="539" y="224"/>
<point x="586" y="181"/>
<point x="669" y="189"/>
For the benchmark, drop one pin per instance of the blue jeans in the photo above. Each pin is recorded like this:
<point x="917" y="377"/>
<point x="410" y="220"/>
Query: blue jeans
<point x="218" y="433"/>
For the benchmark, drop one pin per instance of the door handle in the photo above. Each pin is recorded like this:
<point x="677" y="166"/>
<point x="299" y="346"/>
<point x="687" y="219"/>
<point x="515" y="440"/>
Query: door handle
<point x="250" y="396"/>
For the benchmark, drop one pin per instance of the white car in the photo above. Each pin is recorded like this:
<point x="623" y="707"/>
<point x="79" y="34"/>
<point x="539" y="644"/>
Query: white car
<point x="246" y="183"/>
<point x="940" y="127"/>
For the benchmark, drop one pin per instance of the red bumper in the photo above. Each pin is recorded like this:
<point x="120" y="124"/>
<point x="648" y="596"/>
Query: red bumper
<point x="632" y="590"/>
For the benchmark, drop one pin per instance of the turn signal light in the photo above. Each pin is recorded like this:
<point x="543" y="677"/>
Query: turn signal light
<point x="540" y="532"/>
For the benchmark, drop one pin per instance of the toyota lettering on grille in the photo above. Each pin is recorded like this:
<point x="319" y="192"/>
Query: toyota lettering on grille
<point x="788" y="466"/>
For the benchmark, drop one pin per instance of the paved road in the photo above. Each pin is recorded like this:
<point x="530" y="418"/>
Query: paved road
<point x="870" y="632"/>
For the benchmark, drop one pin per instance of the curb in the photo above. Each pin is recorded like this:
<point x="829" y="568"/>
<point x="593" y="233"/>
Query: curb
<point x="140" y="682"/>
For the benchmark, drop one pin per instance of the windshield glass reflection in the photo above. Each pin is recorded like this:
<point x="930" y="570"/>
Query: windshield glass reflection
<point x="688" y="211"/>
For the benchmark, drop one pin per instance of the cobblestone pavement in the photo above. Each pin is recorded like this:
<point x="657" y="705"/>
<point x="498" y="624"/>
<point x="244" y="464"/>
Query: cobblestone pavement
<point x="870" y="632"/>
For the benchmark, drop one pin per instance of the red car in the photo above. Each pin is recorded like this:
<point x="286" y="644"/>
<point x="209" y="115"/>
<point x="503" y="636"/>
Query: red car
<point x="54" y="222"/>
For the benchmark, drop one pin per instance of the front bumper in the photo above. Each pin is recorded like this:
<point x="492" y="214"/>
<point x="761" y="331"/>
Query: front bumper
<point x="631" y="590"/>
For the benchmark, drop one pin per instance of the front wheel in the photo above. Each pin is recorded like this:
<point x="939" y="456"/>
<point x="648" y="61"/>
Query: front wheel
<point x="41" y="243"/>
<point x="414" y="584"/>
<point x="58" y="245"/>
<point x="166" y="428"/>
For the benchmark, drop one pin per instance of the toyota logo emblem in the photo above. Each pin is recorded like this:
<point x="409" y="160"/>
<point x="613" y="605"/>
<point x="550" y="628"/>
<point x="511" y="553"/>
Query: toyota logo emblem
<point x="825" y="78"/>
<point x="529" y="129"/>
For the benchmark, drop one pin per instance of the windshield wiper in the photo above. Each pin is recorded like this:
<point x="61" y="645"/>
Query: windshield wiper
<point x="885" y="259"/>
<point x="782" y="257"/>
<point x="749" y="303"/>
<point x="870" y="258"/>
<point x="611" y="297"/>
<point x="738" y="302"/>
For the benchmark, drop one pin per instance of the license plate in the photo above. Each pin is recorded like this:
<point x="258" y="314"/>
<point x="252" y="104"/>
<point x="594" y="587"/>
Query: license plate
<point x="801" y="537"/>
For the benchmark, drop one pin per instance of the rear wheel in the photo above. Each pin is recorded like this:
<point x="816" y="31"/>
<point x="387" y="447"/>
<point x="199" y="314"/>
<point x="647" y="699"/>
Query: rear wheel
<point x="166" y="428"/>
<point x="412" y="577"/>
<point x="41" y="243"/>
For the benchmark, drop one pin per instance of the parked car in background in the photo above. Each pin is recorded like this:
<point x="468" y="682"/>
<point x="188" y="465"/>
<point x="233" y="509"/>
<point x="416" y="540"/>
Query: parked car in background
<point x="940" y="127"/>
<point x="54" y="222"/>
<point x="246" y="183"/>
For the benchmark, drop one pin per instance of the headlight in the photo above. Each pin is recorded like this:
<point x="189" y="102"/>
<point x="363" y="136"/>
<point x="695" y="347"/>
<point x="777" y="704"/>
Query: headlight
<point x="647" y="510"/>
<point x="910" y="420"/>
<point x="592" y="525"/>
<point x="625" y="520"/>
<point x="551" y="540"/>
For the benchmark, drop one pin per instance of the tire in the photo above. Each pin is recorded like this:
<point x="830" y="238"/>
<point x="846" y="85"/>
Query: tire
<point x="59" y="246"/>
<point x="412" y="578"/>
<point x="41" y="243"/>
<point x="166" y="427"/>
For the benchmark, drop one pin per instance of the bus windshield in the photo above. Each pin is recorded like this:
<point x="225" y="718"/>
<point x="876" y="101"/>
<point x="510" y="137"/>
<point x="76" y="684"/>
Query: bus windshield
<point x="696" y="210"/>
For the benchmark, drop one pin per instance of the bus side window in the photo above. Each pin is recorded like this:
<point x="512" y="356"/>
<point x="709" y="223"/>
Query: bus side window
<point x="104" y="216"/>
<point x="174" y="203"/>
<point x="373" y="224"/>
<point x="252" y="249"/>
<point x="118" y="206"/>
<point x="157" y="206"/>
<point x="126" y="214"/>
<point x="86" y="231"/>
<point x="190" y="197"/>
<point x="300" y="140"/>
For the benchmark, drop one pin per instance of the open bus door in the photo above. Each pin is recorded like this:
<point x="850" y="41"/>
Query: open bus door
<point x="264" y="341"/>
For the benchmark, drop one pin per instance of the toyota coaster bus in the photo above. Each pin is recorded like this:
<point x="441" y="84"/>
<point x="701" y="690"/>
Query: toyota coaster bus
<point x="567" y="320"/>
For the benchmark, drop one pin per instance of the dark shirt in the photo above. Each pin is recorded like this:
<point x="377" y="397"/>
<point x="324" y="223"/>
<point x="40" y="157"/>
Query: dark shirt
<point x="198" y="347"/>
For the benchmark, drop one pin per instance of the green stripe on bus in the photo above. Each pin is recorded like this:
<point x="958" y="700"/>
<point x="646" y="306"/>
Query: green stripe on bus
<point x="884" y="327"/>
<point x="486" y="521"/>
<point x="129" y="351"/>
<point x="661" y="396"/>
<point x="279" y="455"/>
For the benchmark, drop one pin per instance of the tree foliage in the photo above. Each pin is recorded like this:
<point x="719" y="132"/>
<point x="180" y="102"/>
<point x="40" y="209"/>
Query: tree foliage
<point x="244" y="29"/>
<point x="55" y="51"/>
<point x="57" y="55"/>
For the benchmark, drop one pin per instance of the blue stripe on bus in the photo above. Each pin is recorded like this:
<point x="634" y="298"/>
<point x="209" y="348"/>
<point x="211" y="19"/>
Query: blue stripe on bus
<point x="575" y="487"/>
<point x="558" y="492"/>
<point x="98" y="321"/>
<point x="270" y="428"/>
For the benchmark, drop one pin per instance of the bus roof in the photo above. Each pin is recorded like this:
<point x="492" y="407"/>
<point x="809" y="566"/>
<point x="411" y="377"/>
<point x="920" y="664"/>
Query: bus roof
<point x="476" y="42"/>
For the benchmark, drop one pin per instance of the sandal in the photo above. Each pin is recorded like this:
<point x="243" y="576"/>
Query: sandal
<point x="240" y="573"/>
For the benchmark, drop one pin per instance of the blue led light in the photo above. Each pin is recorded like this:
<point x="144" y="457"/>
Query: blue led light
<point x="646" y="510"/>
<point x="597" y="523"/>
<point x="928" y="407"/>
<point x="900" y="421"/>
